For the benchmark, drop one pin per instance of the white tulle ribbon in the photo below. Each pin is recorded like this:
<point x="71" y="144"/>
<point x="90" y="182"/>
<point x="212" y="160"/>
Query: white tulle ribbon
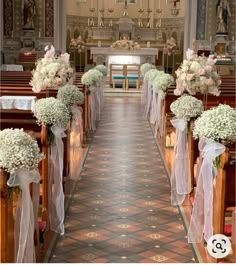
<point x="92" y="108"/>
<point x="75" y="143"/>
<point x="202" y="214"/>
<point x="180" y="174"/>
<point x="149" y="100"/>
<point x="56" y="201"/>
<point x="144" y="92"/>
<point x="98" y="101"/>
<point x="24" y="222"/>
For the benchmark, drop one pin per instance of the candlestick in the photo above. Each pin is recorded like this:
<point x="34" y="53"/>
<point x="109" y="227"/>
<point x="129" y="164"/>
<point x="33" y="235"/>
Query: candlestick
<point x="159" y="4"/>
<point x="91" y="3"/>
<point x="140" y="4"/>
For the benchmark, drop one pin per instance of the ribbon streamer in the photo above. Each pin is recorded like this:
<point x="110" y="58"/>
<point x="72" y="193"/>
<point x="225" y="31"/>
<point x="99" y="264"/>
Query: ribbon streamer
<point x="92" y="108"/>
<point x="180" y="174"/>
<point x="202" y="214"/>
<point x="24" y="222"/>
<point x="75" y="143"/>
<point x="56" y="201"/>
<point x="149" y="100"/>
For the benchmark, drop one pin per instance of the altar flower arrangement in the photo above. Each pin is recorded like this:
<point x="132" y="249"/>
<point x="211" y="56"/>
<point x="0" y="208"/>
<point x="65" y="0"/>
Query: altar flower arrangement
<point x="102" y="68"/>
<point x="51" y="71"/>
<point x="51" y="111"/>
<point x="70" y="94"/>
<point x="18" y="150"/>
<point x="91" y="77"/>
<point x="77" y="43"/>
<point x="216" y="124"/>
<point x="197" y="74"/>
<point x="146" y="67"/>
<point x="151" y="74"/>
<point x="161" y="82"/>
<point x="170" y="46"/>
<point x="187" y="107"/>
<point x="125" y="44"/>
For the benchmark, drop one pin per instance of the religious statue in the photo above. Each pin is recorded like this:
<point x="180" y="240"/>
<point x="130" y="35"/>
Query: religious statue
<point x="222" y="12"/>
<point x="29" y="11"/>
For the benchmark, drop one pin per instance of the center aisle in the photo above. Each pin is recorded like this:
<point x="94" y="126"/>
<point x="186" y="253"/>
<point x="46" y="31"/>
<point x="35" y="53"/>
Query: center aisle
<point x="121" y="212"/>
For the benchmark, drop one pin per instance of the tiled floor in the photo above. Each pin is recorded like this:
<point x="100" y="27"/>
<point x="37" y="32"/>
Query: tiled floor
<point x="120" y="211"/>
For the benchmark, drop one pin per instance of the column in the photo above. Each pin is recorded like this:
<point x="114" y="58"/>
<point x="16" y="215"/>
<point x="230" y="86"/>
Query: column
<point x="60" y="25"/>
<point x="190" y="24"/>
<point x="1" y="30"/>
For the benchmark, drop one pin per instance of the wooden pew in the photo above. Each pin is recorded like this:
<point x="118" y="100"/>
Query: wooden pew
<point x="27" y="59"/>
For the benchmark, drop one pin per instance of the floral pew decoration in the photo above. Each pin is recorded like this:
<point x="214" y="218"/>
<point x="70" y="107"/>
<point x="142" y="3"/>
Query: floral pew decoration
<point x="149" y="76"/>
<point x="92" y="79"/>
<point x="185" y="108"/>
<point x="53" y="114"/>
<point x="214" y="127"/>
<point x="71" y="96"/>
<point x="20" y="156"/>
<point x="197" y="74"/>
<point x="51" y="71"/>
<point x="159" y="86"/>
<point x="144" y="69"/>
<point x="103" y="69"/>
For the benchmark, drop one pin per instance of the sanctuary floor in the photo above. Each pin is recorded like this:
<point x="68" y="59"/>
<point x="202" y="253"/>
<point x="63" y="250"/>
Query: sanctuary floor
<point x="120" y="211"/>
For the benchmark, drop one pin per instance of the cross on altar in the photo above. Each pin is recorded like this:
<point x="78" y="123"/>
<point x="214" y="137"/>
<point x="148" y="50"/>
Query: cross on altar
<point x="175" y="2"/>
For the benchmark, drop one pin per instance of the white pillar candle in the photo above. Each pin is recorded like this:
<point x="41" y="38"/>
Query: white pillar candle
<point x="159" y="4"/>
<point x="140" y="4"/>
<point x="91" y="3"/>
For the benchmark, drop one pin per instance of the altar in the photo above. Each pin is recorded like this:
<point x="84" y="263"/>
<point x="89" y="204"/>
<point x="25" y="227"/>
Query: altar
<point x="107" y="55"/>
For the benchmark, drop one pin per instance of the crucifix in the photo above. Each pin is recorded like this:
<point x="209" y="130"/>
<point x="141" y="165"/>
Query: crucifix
<point x="125" y="9"/>
<point x="175" y="2"/>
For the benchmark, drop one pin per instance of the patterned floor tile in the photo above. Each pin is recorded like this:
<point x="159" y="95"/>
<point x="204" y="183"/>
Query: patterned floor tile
<point x="120" y="211"/>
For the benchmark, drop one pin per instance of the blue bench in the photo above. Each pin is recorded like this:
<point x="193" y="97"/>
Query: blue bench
<point x="132" y="78"/>
<point x="118" y="78"/>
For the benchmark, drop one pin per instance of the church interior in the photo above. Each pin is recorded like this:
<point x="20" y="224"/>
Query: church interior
<point x="118" y="131"/>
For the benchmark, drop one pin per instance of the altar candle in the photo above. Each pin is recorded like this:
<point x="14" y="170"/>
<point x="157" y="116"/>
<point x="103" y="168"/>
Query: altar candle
<point x="159" y="4"/>
<point x="210" y="38"/>
<point x="91" y="3"/>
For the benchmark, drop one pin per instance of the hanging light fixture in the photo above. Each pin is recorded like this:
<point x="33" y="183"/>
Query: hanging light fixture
<point x="174" y="10"/>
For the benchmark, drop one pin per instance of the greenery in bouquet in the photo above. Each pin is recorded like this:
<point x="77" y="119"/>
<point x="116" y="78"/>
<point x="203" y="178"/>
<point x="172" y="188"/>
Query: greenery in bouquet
<point x="102" y="68"/>
<point x="151" y="74"/>
<point x="161" y="82"/>
<point x="187" y="107"/>
<point x="91" y="77"/>
<point x="197" y="74"/>
<point x="78" y="44"/>
<point x="216" y="124"/>
<point x="146" y="67"/>
<point x="70" y="94"/>
<point x="51" y="71"/>
<point x="18" y="150"/>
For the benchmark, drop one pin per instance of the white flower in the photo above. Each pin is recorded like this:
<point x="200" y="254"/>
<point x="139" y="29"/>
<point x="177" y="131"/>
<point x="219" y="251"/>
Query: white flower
<point x="102" y="68"/>
<point x="146" y="67"/>
<point x="216" y="124"/>
<point x="49" y="73"/>
<point x="189" y="54"/>
<point x="51" y="111"/>
<point x="151" y="74"/>
<point x="18" y="150"/>
<point x="186" y="107"/>
<point x="70" y="94"/>
<point x="91" y="77"/>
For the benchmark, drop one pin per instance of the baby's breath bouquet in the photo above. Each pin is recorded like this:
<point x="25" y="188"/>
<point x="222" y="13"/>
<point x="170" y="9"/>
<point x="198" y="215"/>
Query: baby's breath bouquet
<point x="18" y="150"/>
<point x="51" y="71"/>
<point x="70" y="94"/>
<point x="91" y="77"/>
<point x="161" y="82"/>
<point x="216" y="124"/>
<point x="187" y="107"/>
<point x="197" y="74"/>
<point x="151" y="75"/>
<point x="51" y="111"/>
<point x="102" y="68"/>
<point x="146" y="67"/>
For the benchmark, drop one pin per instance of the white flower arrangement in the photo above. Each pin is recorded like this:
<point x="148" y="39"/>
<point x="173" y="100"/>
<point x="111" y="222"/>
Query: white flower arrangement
<point x="197" y="74"/>
<point x="78" y="44"/>
<point x="161" y="82"/>
<point x="146" y="67"/>
<point x="18" y="150"/>
<point x="187" y="107"/>
<point x="216" y="124"/>
<point x="51" y="71"/>
<point x="70" y="94"/>
<point x="91" y="77"/>
<point x="102" y="68"/>
<point x="125" y="44"/>
<point x="151" y="74"/>
<point x="51" y="111"/>
<point x="170" y="46"/>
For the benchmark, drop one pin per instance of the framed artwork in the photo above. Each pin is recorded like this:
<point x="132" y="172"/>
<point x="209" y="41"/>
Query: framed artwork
<point x="128" y="1"/>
